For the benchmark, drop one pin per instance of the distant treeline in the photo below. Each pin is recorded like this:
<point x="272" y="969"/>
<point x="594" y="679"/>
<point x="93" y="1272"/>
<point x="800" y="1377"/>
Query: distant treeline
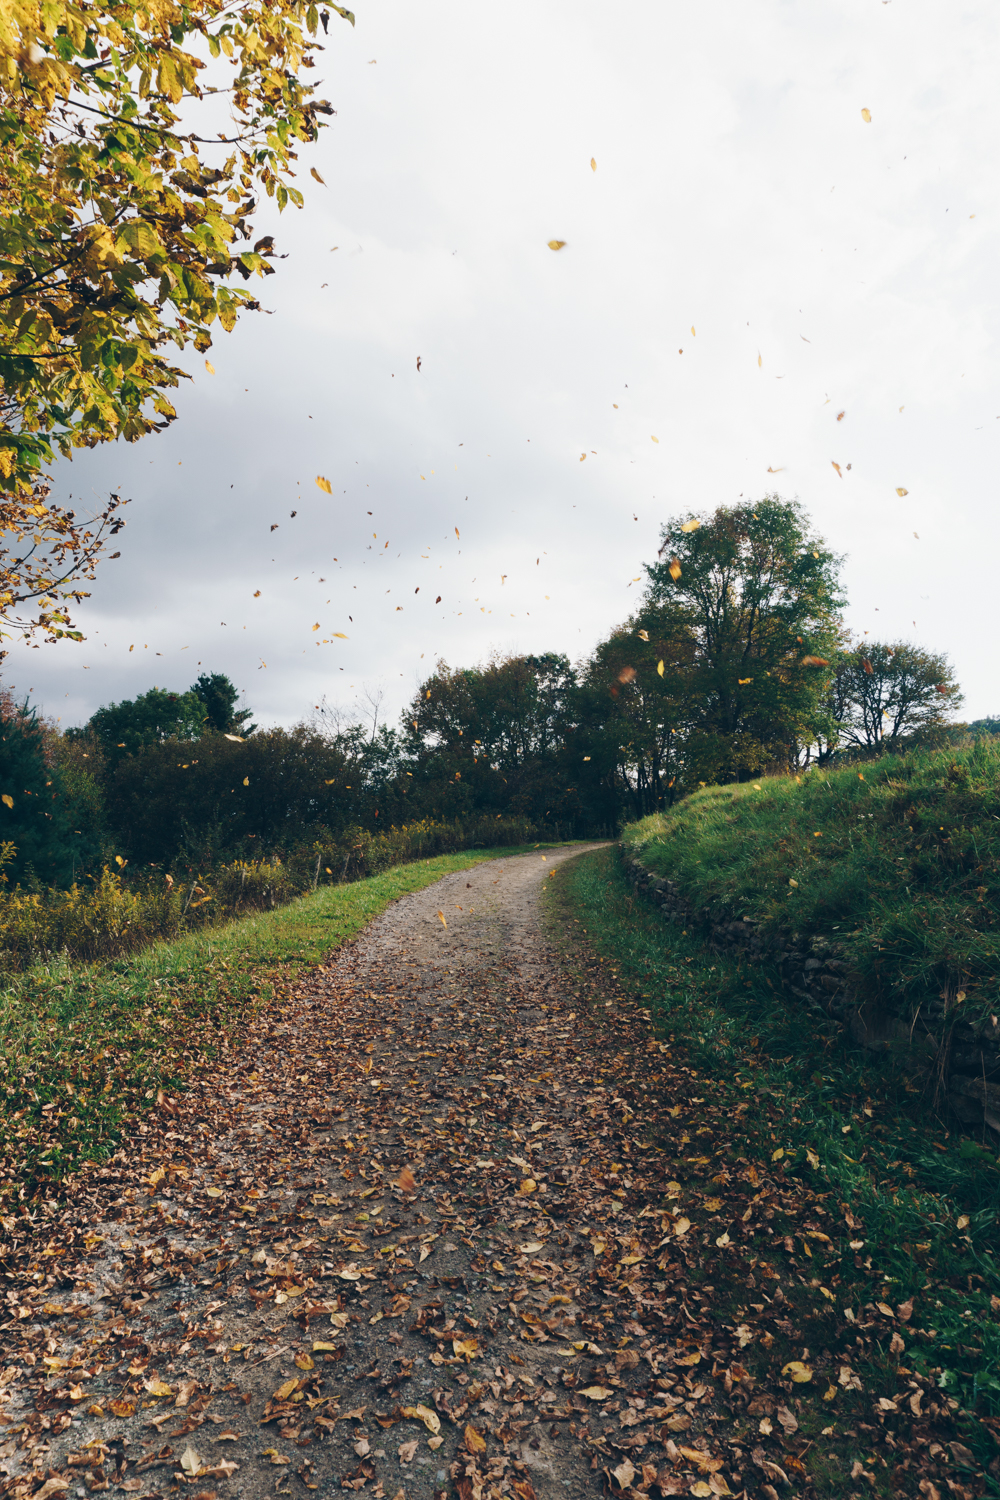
<point x="736" y="663"/>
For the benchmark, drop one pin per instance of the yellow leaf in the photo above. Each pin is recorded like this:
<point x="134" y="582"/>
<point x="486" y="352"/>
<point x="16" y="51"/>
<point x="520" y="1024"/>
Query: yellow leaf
<point x="441" y="919"/>
<point x="528" y="1185"/>
<point x="690" y="1359"/>
<point x="122" y="1408"/>
<point x="722" y="1241"/>
<point x="313" y="173"/>
<point x="304" y="1362"/>
<point x="596" y="1393"/>
<point x="324" y="484"/>
<point x="319" y="1347"/>
<point x="593" y="165"/>
<point x="643" y="635"/>
<point x="777" y="1155"/>
<point x="474" y="1441"/>
<point x="209" y="367"/>
<point x="285" y="1390"/>
<point x="759" y="362"/>
<point x="900" y="491"/>
<point x="246" y="781"/>
<point x="659" y="667"/>
<point x="701" y="1488"/>
<point x="691" y="525"/>
<point x="963" y="1223"/>
<point x="342" y="637"/>
<point x="556" y="244"/>
<point x="465" y="1348"/>
<point x="430" y="1419"/>
<point x="157" y="1388"/>
<point x="214" y="1192"/>
<point x="7" y="800"/>
<point x="799" y="1372"/>
<point x="693" y="334"/>
<point x="674" y="569"/>
<point x="866" y="115"/>
<point x="653" y="439"/>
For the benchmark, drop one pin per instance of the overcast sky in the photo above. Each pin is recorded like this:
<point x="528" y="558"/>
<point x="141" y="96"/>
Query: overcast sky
<point x="749" y="259"/>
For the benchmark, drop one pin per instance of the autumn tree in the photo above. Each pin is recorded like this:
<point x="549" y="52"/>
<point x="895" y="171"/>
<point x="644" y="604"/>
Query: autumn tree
<point x="881" y="692"/>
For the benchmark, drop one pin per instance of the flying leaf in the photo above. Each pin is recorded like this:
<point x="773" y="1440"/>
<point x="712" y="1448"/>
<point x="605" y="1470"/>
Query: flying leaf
<point x="837" y="467"/>
<point x="209" y="367"/>
<point x="324" y="484"/>
<point x="316" y="626"/>
<point x="653" y="439"/>
<point x="775" y="471"/>
<point x="593" y="164"/>
<point x="313" y="173"/>
<point x="237" y="737"/>
<point x="900" y="491"/>
<point x="691" y="525"/>
<point x="866" y="115"/>
<point x="556" y="244"/>
<point x="643" y="635"/>
<point x="760" y="362"/>
<point x="341" y="636"/>
<point x="459" y="539"/>
<point x="841" y="415"/>
<point x="815" y="661"/>
<point x="7" y="800"/>
<point x="246" y="781"/>
<point x="674" y="569"/>
<point x="441" y="919"/>
<point x="659" y="667"/>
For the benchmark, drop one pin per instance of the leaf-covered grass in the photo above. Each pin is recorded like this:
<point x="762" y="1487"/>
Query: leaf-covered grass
<point x="895" y="860"/>
<point x="84" y="1046"/>
<point x="926" y="1203"/>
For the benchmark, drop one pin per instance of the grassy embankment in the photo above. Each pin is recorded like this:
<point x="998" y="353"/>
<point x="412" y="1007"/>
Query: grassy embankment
<point x="898" y="861"/>
<point x="84" y="1046"/>
<point x="927" y="1201"/>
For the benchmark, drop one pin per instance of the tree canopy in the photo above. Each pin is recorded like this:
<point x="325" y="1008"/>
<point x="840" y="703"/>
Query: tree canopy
<point x="124" y="211"/>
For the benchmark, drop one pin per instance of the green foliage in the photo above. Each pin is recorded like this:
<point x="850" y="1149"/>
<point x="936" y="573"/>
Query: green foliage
<point x="122" y="208"/>
<point x="219" y="697"/>
<point x="495" y="738"/>
<point x="895" y="861"/>
<point x="50" y="818"/>
<point x="883" y="692"/>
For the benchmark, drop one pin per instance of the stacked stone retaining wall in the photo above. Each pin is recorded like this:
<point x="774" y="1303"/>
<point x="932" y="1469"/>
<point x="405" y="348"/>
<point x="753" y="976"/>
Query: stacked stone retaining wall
<point x="957" y="1061"/>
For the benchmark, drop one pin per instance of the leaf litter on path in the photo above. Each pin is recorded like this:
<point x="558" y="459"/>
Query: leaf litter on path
<point x="454" y="1222"/>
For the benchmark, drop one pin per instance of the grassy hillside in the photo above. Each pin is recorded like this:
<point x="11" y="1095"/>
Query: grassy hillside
<point x="898" y="861"/>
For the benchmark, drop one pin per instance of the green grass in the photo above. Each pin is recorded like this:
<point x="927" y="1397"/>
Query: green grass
<point x="895" y="860"/>
<point x="799" y="1086"/>
<point x="85" y="1046"/>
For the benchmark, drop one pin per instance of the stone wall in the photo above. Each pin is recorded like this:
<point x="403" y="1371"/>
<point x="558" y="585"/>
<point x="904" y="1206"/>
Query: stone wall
<point x="958" y="1062"/>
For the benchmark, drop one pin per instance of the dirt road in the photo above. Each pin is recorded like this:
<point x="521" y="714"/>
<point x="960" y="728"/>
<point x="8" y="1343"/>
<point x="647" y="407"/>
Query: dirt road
<point x="418" y="1238"/>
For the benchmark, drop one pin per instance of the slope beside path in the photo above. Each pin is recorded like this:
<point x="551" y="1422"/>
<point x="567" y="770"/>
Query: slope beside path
<point x="419" y="1238"/>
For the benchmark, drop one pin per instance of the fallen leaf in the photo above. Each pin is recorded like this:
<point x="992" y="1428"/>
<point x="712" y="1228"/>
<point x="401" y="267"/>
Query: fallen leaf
<point x="430" y="1419"/>
<point x="408" y="1450"/>
<point x="799" y="1372"/>
<point x="190" y="1462"/>
<point x="474" y="1441"/>
<point x="596" y="1393"/>
<point x="624" y="1473"/>
<point x="406" y="1181"/>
